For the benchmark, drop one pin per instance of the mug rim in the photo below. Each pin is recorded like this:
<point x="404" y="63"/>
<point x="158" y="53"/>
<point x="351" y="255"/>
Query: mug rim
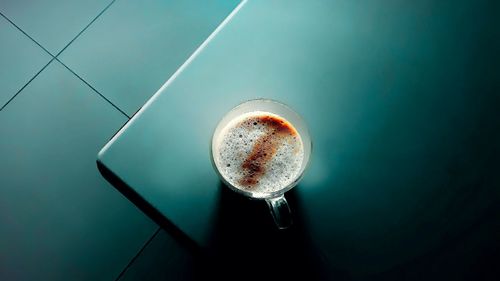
<point x="265" y="195"/>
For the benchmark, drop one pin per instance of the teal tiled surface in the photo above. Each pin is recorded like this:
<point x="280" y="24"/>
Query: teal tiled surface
<point x="60" y="220"/>
<point x="52" y="23"/>
<point x="129" y="52"/>
<point x="20" y="60"/>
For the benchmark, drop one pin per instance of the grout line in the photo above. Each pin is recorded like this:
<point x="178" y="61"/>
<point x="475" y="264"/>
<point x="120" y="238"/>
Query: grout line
<point x="27" y="35"/>
<point x="25" y="85"/>
<point x="138" y="254"/>
<point x="56" y="58"/>
<point x="85" y="28"/>
<point x="95" y="90"/>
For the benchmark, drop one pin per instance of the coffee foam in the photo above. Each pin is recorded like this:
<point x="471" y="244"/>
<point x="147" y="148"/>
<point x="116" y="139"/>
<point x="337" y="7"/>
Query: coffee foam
<point x="259" y="152"/>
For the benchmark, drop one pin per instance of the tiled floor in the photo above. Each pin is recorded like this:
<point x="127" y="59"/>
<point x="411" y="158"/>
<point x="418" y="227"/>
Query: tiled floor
<point x="141" y="50"/>
<point x="20" y="60"/>
<point x="71" y="73"/>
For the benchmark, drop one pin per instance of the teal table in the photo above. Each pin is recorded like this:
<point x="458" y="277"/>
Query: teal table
<point x="402" y="101"/>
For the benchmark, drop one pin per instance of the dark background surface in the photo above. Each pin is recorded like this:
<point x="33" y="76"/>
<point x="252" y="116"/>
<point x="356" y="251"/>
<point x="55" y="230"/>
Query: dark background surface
<point x="404" y="184"/>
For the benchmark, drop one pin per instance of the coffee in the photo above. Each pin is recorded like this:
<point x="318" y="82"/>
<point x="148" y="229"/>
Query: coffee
<point x="259" y="152"/>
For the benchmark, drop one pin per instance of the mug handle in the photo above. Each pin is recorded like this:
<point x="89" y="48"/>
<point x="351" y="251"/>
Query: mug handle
<point x="280" y="211"/>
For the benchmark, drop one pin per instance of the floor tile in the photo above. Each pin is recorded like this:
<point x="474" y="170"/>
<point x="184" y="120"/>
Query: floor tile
<point x="162" y="259"/>
<point x="132" y="49"/>
<point x="52" y="23"/>
<point x="60" y="220"/>
<point x="20" y="60"/>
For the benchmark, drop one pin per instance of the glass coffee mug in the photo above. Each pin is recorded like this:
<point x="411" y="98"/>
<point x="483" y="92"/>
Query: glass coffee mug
<point x="235" y="142"/>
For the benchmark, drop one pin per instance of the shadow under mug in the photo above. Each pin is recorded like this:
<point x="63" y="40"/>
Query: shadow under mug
<point x="275" y="200"/>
